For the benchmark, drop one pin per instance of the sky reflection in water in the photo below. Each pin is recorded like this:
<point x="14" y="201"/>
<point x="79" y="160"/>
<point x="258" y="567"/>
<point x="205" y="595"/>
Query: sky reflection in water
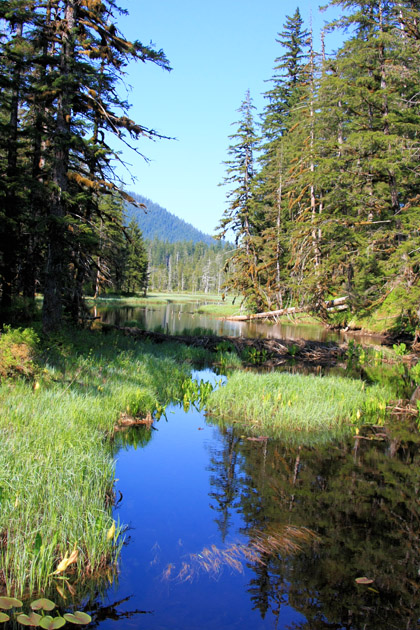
<point x="353" y="511"/>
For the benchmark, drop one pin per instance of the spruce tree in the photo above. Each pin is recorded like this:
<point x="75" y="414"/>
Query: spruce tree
<point x="67" y="89"/>
<point x="284" y="98"/>
<point x="370" y="170"/>
<point x="240" y="214"/>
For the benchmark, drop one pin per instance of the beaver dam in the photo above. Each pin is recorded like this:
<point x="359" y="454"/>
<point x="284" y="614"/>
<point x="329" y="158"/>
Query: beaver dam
<point x="270" y="352"/>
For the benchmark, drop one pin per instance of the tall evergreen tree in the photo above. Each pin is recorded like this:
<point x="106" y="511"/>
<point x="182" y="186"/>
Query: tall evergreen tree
<point x="284" y="99"/>
<point x="240" y="214"/>
<point x="69" y="104"/>
<point x="369" y="170"/>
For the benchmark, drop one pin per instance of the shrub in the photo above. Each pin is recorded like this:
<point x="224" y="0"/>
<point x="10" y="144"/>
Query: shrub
<point x="17" y="352"/>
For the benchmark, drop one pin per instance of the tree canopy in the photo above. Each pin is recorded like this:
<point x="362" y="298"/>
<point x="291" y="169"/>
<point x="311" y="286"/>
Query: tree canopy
<point x="62" y="64"/>
<point x="336" y="195"/>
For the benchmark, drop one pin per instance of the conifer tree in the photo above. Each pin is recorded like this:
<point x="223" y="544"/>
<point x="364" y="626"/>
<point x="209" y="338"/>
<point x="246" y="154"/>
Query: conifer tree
<point x="370" y="170"/>
<point x="70" y="103"/>
<point x="284" y="100"/>
<point x="240" y="214"/>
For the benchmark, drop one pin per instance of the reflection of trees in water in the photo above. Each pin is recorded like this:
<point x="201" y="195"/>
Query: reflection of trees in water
<point x="100" y="612"/>
<point x="225" y="479"/>
<point x="361" y="498"/>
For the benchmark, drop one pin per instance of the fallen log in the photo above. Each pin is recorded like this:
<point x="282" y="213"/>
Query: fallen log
<point x="330" y="305"/>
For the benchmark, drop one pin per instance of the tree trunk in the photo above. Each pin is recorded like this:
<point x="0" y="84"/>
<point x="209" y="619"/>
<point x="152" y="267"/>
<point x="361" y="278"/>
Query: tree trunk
<point x="11" y="209"/>
<point x="54" y="272"/>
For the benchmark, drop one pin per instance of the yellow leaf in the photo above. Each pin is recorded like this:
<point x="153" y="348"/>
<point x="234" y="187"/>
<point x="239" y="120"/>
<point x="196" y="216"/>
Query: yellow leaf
<point x="73" y="556"/>
<point x="111" y="532"/>
<point x="66" y="561"/>
<point x="62" y="565"/>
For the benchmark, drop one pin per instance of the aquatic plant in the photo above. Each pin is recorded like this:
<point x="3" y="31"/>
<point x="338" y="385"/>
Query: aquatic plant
<point x="37" y="617"/>
<point x="279" y="403"/>
<point x="212" y="560"/>
<point x="56" y="465"/>
<point x="196" y="393"/>
<point x="254" y="355"/>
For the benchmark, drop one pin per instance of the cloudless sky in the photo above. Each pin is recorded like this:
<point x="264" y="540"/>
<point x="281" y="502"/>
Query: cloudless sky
<point x="218" y="49"/>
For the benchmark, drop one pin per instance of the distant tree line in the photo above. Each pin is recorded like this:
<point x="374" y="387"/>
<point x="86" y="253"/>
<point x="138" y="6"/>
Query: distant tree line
<point x="324" y="193"/>
<point x="61" y="220"/>
<point x="187" y="266"/>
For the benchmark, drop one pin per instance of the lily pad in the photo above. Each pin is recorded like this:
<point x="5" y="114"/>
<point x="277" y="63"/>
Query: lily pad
<point x="42" y="604"/>
<point x="51" y="623"/>
<point x="29" y="620"/>
<point x="364" y="580"/>
<point x="6" y="603"/>
<point x="4" y="617"/>
<point x="79" y="618"/>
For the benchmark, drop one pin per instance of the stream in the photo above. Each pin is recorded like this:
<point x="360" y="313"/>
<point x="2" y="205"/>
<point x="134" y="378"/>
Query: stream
<point x="226" y="532"/>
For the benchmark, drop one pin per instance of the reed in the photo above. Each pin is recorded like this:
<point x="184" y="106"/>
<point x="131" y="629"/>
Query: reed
<point x="56" y="463"/>
<point x="284" y="404"/>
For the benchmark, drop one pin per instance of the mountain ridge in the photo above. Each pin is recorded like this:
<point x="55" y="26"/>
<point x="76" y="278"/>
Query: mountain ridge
<point x="157" y="221"/>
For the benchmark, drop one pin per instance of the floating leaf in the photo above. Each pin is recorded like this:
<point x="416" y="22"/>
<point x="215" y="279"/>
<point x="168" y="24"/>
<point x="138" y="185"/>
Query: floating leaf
<point x="364" y="580"/>
<point x="29" y="620"/>
<point x="6" y="603"/>
<point x="4" y="617"/>
<point x="111" y="532"/>
<point x="79" y="618"/>
<point x="42" y="604"/>
<point x="51" y="623"/>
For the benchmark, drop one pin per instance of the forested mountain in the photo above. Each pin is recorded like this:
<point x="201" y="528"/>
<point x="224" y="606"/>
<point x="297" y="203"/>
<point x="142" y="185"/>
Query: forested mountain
<point x="324" y="193"/>
<point x="157" y="222"/>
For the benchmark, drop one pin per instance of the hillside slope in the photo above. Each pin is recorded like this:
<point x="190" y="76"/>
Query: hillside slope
<point x="157" y="222"/>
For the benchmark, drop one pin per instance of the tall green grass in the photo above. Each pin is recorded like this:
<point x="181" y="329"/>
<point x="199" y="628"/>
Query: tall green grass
<point x="286" y="405"/>
<point x="56" y="464"/>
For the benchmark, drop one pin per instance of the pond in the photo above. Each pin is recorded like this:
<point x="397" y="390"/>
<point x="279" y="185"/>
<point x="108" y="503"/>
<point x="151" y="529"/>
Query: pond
<point x="182" y="318"/>
<point x="226" y="532"/>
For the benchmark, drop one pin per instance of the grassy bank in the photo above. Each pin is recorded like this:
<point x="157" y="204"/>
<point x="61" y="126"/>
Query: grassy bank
<point x="56" y="465"/>
<point x="283" y="405"/>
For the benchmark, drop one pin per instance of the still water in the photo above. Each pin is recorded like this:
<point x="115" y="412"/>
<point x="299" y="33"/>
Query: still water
<point x="230" y="533"/>
<point x="182" y="318"/>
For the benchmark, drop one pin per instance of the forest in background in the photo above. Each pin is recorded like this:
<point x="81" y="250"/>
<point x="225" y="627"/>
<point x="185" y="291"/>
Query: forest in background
<point x="324" y="189"/>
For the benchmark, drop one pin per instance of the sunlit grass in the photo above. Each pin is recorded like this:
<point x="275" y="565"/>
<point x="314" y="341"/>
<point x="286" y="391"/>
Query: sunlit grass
<point x="56" y="464"/>
<point x="295" y="405"/>
<point x="156" y="298"/>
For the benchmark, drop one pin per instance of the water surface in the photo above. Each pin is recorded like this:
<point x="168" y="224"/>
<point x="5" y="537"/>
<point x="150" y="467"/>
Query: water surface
<point x="177" y="318"/>
<point x="226" y="532"/>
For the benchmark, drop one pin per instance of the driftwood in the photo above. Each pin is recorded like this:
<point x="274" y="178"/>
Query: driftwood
<point x="331" y="305"/>
<point x="126" y="422"/>
<point x="270" y="352"/>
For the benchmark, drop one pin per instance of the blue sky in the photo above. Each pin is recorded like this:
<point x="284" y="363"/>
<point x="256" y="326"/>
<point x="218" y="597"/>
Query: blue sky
<point x="217" y="50"/>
